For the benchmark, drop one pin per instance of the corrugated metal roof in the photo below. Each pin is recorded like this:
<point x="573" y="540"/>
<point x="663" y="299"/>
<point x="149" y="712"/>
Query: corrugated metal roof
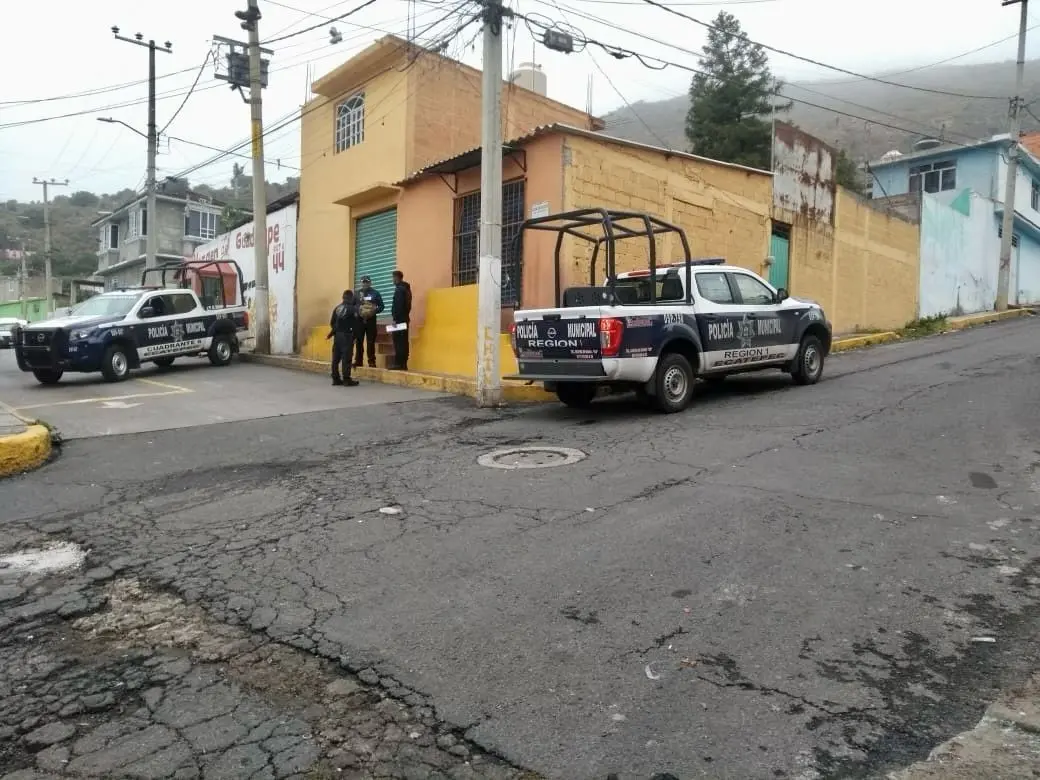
<point x="558" y="127"/>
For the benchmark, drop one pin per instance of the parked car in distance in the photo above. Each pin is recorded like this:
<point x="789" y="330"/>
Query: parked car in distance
<point x="7" y="324"/>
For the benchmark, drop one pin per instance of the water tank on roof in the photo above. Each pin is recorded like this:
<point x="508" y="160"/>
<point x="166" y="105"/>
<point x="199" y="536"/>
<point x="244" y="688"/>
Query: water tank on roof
<point x="530" y="76"/>
<point x="926" y="143"/>
<point x="891" y="155"/>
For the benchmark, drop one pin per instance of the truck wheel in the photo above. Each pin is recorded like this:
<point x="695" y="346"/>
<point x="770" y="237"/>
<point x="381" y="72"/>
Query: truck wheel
<point x="115" y="365"/>
<point x="47" y="376"/>
<point x="220" y="351"/>
<point x="576" y="395"/>
<point x="808" y="363"/>
<point x="674" y="383"/>
<point x="164" y="362"/>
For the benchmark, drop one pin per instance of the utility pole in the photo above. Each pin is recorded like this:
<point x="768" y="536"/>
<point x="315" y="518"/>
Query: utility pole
<point x="47" y="238"/>
<point x="489" y="278"/>
<point x="1008" y="224"/>
<point x="21" y="286"/>
<point x="152" y="218"/>
<point x="257" y="80"/>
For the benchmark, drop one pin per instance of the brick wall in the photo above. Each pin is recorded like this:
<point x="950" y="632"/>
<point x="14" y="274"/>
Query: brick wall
<point x="724" y="210"/>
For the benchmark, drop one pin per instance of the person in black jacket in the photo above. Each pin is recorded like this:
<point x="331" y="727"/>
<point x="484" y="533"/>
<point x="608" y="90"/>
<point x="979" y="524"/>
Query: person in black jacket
<point x="344" y="324"/>
<point x="370" y="305"/>
<point x="401" y="311"/>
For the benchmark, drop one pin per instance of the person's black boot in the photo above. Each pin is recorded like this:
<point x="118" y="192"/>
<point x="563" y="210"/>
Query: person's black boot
<point x="337" y="382"/>
<point x="351" y="382"/>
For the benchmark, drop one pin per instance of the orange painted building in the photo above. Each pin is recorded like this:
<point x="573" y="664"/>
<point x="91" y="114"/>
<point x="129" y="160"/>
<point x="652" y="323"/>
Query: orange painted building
<point x="724" y="209"/>
<point x="392" y="109"/>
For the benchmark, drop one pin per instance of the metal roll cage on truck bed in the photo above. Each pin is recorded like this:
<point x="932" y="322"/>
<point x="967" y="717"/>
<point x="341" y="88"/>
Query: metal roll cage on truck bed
<point x="656" y="330"/>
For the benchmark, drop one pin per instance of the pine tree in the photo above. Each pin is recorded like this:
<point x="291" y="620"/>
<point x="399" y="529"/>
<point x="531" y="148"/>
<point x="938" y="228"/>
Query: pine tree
<point x="729" y="116"/>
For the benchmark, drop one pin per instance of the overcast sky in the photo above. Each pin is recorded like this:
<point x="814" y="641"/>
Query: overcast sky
<point x="60" y="47"/>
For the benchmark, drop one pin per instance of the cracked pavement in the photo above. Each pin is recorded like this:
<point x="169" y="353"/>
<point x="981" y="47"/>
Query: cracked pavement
<point x="781" y="582"/>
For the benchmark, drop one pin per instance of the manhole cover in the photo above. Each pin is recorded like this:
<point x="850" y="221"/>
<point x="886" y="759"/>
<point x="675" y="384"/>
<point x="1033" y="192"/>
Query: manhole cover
<point x="531" y="458"/>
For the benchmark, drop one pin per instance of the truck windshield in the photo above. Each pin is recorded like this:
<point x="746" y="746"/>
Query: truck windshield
<point x="637" y="289"/>
<point x="106" y="305"/>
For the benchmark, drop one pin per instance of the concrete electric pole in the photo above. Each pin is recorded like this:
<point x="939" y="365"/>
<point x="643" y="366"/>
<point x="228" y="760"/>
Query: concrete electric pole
<point x="1008" y="224"/>
<point x="249" y="69"/>
<point x="151" y="220"/>
<point x="489" y="278"/>
<point x="48" y="297"/>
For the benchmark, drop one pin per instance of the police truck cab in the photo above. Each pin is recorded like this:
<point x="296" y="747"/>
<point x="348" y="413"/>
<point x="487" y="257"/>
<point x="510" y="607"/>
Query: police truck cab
<point x="656" y="330"/>
<point x="119" y="330"/>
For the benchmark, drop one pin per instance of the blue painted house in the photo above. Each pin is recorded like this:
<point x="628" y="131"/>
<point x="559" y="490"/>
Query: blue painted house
<point x="957" y="193"/>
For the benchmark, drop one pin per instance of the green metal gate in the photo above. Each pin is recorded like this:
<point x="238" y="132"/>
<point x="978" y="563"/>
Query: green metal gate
<point x="375" y="253"/>
<point x="780" y="249"/>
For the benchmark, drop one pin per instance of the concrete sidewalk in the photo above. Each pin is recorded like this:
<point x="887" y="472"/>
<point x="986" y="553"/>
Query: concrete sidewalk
<point x="522" y="392"/>
<point x="24" y="444"/>
<point x="1005" y="745"/>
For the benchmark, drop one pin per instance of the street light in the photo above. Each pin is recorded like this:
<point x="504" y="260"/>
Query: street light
<point x="109" y="120"/>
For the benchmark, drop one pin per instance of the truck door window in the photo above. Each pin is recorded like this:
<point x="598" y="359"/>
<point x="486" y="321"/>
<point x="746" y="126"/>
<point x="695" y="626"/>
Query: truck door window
<point x="158" y="306"/>
<point x="714" y="287"/>
<point x="179" y="303"/>
<point x="752" y="291"/>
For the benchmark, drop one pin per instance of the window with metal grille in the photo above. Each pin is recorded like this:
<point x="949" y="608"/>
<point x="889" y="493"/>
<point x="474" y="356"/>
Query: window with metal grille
<point x="467" y="240"/>
<point x="350" y="122"/>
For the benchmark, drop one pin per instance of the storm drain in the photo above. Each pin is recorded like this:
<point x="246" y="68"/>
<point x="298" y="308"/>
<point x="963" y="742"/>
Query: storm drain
<point x="531" y="458"/>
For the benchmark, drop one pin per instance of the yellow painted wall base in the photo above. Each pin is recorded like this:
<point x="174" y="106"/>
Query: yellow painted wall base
<point x="317" y="347"/>
<point x="447" y="341"/>
<point x="24" y="451"/>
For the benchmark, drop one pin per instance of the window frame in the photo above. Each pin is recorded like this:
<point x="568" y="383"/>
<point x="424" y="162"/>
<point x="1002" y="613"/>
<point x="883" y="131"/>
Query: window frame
<point x="944" y="172"/>
<point x="204" y="233"/>
<point x="465" y="253"/>
<point x="735" y="285"/>
<point x="725" y="279"/>
<point x="1034" y="195"/>
<point x="349" y="123"/>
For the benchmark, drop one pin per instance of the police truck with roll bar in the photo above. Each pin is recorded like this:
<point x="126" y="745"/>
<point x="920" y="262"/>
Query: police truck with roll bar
<point x="657" y="330"/>
<point x="119" y="330"/>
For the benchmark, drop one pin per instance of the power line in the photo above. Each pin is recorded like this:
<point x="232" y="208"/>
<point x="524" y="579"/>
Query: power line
<point x="818" y="63"/>
<point x="322" y="23"/>
<point x="646" y="61"/>
<point x="295" y="117"/>
<point x="91" y="92"/>
<point x="202" y="67"/>
<point x="178" y="92"/>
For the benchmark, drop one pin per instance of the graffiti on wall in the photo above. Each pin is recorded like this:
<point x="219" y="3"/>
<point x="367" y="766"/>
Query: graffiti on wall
<point x="281" y="270"/>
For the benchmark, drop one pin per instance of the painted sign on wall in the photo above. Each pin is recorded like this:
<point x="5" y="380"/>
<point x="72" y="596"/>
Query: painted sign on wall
<point x="281" y="271"/>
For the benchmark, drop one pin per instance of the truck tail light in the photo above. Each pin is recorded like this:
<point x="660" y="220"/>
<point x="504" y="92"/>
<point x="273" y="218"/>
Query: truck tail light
<point x="512" y="338"/>
<point x="610" y="330"/>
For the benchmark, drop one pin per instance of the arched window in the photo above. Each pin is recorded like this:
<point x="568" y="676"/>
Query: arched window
<point x="350" y="122"/>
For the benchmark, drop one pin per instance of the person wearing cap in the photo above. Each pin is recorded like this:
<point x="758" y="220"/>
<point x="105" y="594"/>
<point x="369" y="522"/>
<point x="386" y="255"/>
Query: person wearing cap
<point x="343" y="326"/>
<point x="370" y="304"/>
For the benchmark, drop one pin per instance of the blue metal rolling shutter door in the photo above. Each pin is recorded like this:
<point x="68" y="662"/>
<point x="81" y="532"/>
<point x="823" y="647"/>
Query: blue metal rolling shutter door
<point x="375" y="253"/>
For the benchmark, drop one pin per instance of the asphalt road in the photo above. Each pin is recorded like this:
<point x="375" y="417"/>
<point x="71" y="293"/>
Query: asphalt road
<point x="780" y="582"/>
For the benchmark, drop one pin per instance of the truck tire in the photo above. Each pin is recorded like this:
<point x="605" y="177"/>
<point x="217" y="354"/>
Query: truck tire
<point x="674" y="379"/>
<point x="115" y="365"/>
<point x="48" y="376"/>
<point x="576" y="395"/>
<point x="221" y="350"/>
<point x="808" y="363"/>
<point x="164" y="362"/>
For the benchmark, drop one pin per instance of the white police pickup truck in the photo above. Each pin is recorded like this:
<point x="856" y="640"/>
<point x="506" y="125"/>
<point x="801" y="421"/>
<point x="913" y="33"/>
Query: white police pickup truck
<point x="656" y="331"/>
<point x="116" y="331"/>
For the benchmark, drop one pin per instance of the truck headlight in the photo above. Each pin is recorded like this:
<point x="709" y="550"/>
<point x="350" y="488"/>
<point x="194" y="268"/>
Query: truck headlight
<point x="80" y="335"/>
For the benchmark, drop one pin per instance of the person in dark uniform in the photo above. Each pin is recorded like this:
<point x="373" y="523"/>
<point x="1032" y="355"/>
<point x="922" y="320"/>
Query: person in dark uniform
<point x="370" y="306"/>
<point x="401" y="311"/>
<point x="343" y="326"/>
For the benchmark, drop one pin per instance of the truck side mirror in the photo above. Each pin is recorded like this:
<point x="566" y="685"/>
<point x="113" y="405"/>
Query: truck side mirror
<point x="146" y="312"/>
<point x="781" y="295"/>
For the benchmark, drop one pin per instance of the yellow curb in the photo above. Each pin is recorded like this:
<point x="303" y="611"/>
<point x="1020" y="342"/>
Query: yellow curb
<point x="512" y="392"/>
<point x="24" y="451"/>
<point x="986" y="317"/>
<point x="866" y="340"/>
